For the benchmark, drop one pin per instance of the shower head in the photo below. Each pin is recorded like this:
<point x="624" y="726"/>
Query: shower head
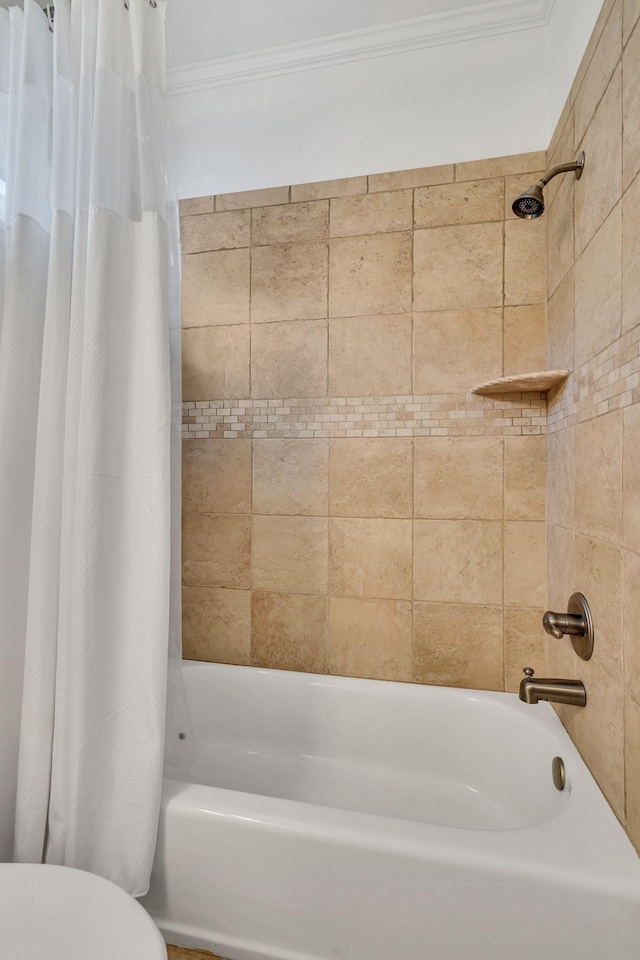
<point x="530" y="204"/>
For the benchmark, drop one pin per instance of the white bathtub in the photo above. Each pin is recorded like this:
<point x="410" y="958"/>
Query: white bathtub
<point x="317" y="818"/>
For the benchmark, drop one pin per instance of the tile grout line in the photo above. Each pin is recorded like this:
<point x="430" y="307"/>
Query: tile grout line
<point x="327" y="639"/>
<point x="503" y="530"/>
<point x="413" y="442"/>
<point x="251" y="630"/>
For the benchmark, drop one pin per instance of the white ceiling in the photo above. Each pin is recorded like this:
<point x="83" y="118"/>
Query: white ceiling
<point x="206" y="29"/>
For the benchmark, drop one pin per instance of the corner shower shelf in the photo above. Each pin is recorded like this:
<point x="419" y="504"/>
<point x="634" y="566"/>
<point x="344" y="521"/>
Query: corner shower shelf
<point x="523" y="383"/>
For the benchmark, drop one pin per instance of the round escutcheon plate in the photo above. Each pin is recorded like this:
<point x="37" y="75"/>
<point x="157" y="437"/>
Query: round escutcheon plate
<point x="583" y="645"/>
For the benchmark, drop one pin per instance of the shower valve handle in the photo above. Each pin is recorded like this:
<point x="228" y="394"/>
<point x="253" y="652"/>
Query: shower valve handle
<point x="560" y="624"/>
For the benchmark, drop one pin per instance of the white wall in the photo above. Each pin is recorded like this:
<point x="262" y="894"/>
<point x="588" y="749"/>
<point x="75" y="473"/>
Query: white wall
<point x="469" y="100"/>
<point x="460" y="101"/>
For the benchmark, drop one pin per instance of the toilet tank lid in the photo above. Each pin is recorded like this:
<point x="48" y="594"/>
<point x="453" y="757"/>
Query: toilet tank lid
<point x="58" y="912"/>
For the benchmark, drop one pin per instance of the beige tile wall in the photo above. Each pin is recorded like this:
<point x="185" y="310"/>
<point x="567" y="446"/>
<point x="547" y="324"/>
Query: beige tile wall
<point x="593" y="491"/>
<point x="348" y="507"/>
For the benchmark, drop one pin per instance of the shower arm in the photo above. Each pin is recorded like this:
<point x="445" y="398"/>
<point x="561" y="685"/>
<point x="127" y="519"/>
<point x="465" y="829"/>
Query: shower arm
<point x="574" y="165"/>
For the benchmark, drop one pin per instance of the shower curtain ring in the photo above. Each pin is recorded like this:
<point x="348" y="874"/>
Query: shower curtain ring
<point x="49" y="13"/>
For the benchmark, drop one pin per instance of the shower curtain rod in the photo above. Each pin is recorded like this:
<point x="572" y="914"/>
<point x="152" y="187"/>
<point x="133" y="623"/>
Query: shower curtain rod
<point x="49" y="9"/>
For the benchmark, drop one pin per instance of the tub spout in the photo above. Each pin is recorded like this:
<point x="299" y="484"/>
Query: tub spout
<point x="572" y="692"/>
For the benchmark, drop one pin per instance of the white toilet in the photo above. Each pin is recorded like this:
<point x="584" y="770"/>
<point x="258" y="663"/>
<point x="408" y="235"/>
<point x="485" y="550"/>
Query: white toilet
<point x="56" y="913"/>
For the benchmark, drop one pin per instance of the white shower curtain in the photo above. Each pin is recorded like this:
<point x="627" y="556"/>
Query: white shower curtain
<point x="87" y="292"/>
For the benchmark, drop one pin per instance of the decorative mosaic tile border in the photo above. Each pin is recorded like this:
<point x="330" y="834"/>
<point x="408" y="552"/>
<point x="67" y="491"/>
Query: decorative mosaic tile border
<point x="607" y="382"/>
<point x="441" y="415"/>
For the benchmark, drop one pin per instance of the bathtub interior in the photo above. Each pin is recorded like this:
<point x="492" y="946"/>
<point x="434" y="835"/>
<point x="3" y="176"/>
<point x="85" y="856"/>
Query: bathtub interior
<point x="440" y="756"/>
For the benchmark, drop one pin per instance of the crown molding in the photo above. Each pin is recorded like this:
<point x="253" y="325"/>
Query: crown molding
<point x="469" y="23"/>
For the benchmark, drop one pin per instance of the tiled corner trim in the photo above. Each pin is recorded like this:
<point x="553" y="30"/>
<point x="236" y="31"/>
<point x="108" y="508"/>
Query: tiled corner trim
<point x="607" y="382"/>
<point x="440" y="415"/>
